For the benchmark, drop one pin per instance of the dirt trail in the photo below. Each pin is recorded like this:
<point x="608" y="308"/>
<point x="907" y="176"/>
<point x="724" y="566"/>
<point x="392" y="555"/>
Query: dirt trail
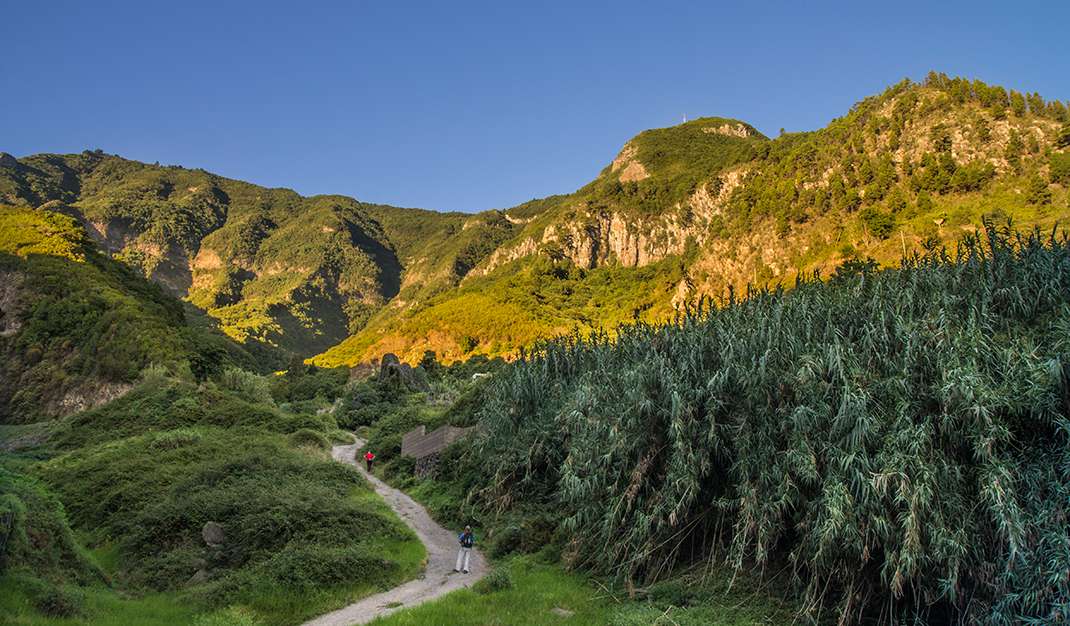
<point x="438" y="578"/>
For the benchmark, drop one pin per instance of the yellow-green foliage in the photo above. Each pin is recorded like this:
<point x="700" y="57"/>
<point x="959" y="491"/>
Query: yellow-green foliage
<point x="24" y="232"/>
<point x="515" y="306"/>
<point x="915" y="166"/>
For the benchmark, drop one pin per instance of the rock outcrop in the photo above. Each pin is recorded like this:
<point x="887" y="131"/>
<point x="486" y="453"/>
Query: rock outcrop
<point x="213" y="534"/>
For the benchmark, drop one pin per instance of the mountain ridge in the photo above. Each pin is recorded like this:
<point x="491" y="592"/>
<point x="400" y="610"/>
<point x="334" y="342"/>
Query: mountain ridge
<point x="704" y="206"/>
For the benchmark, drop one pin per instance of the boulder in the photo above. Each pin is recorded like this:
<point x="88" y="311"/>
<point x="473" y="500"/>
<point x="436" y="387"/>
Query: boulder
<point x="391" y="368"/>
<point x="201" y="576"/>
<point x="361" y="371"/>
<point x="389" y="365"/>
<point x="213" y="534"/>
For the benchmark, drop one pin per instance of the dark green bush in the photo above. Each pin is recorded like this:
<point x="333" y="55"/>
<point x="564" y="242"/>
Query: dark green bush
<point x="506" y="541"/>
<point x="678" y="592"/>
<point x="306" y="437"/>
<point x="307" y="382"/>
<point x="498" y="579"/>
<point x="59" y="601"/>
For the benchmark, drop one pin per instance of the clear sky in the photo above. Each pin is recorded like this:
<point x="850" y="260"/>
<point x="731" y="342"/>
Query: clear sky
<point x="470" y="106"/>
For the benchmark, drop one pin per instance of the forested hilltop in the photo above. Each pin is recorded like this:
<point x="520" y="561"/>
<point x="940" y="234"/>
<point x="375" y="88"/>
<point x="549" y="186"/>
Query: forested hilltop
<point x="682" y="212"/>
<point x="691" y="210"/>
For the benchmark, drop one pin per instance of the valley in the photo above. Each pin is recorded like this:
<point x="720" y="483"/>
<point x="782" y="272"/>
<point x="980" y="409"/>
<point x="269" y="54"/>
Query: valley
<point x="735" y="379"/>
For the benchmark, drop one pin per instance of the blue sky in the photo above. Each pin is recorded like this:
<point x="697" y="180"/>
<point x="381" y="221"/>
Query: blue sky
<point x="469" y="106"/>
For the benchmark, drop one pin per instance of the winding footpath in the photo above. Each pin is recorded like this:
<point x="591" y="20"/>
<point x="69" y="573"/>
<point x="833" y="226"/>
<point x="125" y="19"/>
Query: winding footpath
<point x="437" y="579"/>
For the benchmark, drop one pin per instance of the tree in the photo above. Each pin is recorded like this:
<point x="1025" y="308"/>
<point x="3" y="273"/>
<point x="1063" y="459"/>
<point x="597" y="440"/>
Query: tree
<point x="429" y="361"/>
<point x="1037" y="105"/>
<point x="1037" y="191"/>
<point x="877" y="222"/>
<point x="1014" y="149"/>
<point x="1060" y="168"/>
<point x="896" y="200"/>
<point x="924" y="202"/>
<point x="941" y="138"/>
<point x="984" y="131"/>
<point x="1018" y="104"/>
<point x="1062" y="140"/>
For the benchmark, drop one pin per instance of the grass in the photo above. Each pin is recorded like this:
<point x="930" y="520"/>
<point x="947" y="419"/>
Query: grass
<point x="538" y="588"/>
<point x="101" y="607"/>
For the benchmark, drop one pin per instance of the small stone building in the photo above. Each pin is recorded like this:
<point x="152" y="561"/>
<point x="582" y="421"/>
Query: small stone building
<point x="427" y="447"/>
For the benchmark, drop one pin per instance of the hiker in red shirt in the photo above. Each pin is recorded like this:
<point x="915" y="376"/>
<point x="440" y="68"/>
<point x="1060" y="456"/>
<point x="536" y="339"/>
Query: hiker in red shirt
<point x="368" y="458"/>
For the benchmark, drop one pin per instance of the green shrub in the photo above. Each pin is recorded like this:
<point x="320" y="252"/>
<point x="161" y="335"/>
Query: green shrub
<point x="247" y="385"/>
<point x="878" y="223"/>
<point x="306" y="382"/>
<point x="58" y="601"/>
<point x="287" y="521"/>
<point x="498" y="579"/>
<point x="1060" y="168"/>
<point x="678" y="592"/>
<point x="306" y="437"/>
<point x="506" y="541"/>
<point x="169" y="404"/>
<point x="35" y="536"/>
<point x="171" y="439"/>
<point x="1037" y="191"/>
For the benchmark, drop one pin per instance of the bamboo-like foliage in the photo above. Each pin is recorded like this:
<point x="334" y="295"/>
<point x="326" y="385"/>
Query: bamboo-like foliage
<point x="899" y="439"/>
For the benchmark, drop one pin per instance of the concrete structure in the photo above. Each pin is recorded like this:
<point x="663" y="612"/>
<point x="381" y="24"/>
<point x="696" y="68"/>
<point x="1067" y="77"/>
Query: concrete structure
<point x="425" y="448"/>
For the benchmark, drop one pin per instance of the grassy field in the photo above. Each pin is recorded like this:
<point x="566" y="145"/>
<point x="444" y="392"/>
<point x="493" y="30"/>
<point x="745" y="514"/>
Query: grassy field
<point x="525" y="592"/>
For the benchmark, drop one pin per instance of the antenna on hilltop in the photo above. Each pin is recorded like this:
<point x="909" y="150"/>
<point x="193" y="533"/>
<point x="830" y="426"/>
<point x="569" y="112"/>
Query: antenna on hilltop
<point x="685" y="118"/>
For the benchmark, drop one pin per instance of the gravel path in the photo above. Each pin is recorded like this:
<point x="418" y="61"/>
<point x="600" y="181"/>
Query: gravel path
<point x="438" y="578"/>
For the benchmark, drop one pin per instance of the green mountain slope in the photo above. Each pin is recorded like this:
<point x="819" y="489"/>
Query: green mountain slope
<point x="690" y="211"/>
<point x="77" y="327"/>
<point x="274" y="268"/>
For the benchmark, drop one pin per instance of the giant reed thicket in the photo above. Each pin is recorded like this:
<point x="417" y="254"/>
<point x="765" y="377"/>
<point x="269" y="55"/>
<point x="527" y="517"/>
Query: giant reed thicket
<point x="896" y="440"/>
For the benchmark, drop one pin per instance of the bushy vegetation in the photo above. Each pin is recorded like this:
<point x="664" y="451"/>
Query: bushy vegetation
<point x="677" y="160"/>
<point x="38" y="552"/>
<point x="141" y="476"/>
<point x="83" y="320"/>
<point x="166" y="404"/>
<point x="384" y="410"/>
<point x="896" y="439"/>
